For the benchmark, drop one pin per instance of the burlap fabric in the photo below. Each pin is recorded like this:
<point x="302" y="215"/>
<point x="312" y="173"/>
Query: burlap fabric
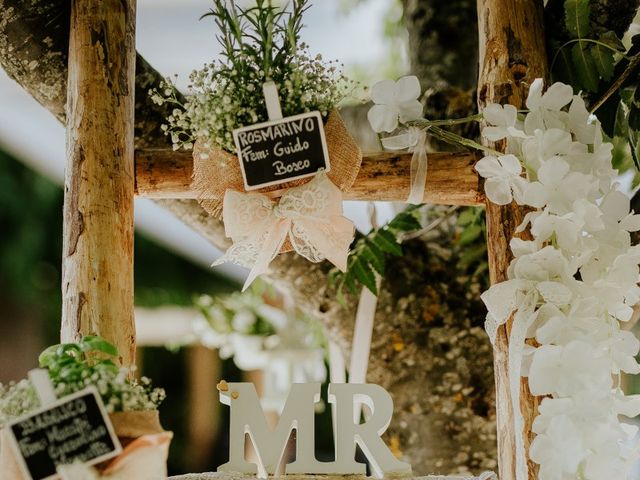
<point x="128" y="427"/>
<point x="216" y="170"/>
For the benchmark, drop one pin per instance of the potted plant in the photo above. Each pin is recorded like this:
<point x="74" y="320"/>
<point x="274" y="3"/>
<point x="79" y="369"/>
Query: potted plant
<point x="132" y="404"/>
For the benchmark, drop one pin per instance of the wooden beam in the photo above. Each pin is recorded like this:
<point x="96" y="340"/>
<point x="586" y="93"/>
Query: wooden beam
<point x="162" y="173"/>
<point x="512" y="55"/>
<point x="97" y="278"/>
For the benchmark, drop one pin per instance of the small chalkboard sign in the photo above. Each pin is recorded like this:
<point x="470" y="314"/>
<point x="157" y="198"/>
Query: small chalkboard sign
<point x="279" y="151"/>
<point x="74" y="428"/>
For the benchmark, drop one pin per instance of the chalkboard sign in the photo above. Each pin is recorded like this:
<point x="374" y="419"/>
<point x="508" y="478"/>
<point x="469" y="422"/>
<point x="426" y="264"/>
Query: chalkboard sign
<point x="279" y="151"/>
<point x="71" y="429"/>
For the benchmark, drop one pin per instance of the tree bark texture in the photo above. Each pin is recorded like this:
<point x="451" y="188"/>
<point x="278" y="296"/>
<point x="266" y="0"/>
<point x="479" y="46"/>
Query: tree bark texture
<point x="97" y="257"/>
<point x="512" y="55"/>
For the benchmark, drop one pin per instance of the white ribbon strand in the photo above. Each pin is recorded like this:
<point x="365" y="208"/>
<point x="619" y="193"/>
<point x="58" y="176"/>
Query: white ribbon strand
<point x="414" y="139"/>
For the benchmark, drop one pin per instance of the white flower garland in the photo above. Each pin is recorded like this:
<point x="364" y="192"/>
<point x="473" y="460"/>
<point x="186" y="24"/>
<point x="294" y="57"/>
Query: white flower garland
<point x="570" y="286"/>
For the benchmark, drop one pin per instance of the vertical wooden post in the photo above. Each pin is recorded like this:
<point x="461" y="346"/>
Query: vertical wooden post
<point x="97" y="278"/>
<point x="512" y="55"/>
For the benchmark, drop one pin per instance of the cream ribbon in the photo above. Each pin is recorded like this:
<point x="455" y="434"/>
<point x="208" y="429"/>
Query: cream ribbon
<point x="501" y="301"/>
<point x="309" y="215"/>
<point x="414" y="139"/>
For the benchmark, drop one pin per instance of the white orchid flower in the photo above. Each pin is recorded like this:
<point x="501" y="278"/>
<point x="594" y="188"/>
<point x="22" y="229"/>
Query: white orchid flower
<point x="559" y="450"/>
<point x="567" y="230"/>
<point x="545" y="144"/>
<point x="622" y="347"/>
<point x="503" y="181"/>
<point x="565" y="370"/>
<point x="548" y="264"/>
<point x="502" y="120"/>
<point x="394" y="102"/>
<point x="615" y="210"/>
<point x="570" y="284"/>
<point x="545" y="109"/>
<point x="581" y="122"/>
<point x="557" y="187"/>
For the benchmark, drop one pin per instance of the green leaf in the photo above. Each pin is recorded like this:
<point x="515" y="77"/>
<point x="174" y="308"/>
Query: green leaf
<point x="387" y="242"/>
<point x="467" y="216"/>
<point x="98" y="344"/>
<point x="611" y="39"/>
<point x="470" y="234"/>
<point x="576" y="17"/>
<point x="472" y="255"/>
<point x="374" y="256"/>
<point x="634" y="119"/>
<point x="350" y="282"/>
<point x="634" y="143"/>
<point x="585" y="67"/>
<point x="604" y="61"/>
<point x="563" y="68"/>
<point x="405" y="222"/>
<point x="47" y="357"/>
<point x="364" y="273"/>
<point x="636" y="96"/>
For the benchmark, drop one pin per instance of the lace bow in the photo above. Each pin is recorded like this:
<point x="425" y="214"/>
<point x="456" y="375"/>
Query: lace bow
<point x="309" y="215"/>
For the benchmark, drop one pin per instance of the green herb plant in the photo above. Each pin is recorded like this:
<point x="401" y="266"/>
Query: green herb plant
<point x="259" y="43"/>
<point x="75" y="366"/>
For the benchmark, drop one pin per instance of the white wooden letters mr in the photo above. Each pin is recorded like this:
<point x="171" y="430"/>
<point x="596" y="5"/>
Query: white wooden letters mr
<point x="247" y="417"/>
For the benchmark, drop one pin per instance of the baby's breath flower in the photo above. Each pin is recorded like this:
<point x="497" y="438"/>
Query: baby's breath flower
<point x="227" y="94"/>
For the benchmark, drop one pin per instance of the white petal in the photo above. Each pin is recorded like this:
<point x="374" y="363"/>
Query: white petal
<point x="511" y="164"/>
<point x="557" y="96"/>
<point x="615" y="205"/>
<point x="500" y="116"/>
<point x="533" y="122"/>
<point x="519" y="186"/>
<point x="536" y="195"/>
<point x="489" y="166"/>
<point x="556" y="141"/>
<point x="629" y="406"/>
<point x="535" y="94"/>
<point x="553" y="171"/>
<point x="510" y="115"/>
<point x="631" y="223"/>
<point x="521" y="247"/>
<point x="516" y="132"/>
<point x="555" y="293"/>
<point x="544" y="360"/>
<point x="498" y="190"/>
<point x="579" y="121"/>
<point x="501" y="299"/>
<point x="384" y="92"/>
<point x="411" y="110"/>
<point x="493" y="134"/>
<point x="383" y="118"/>
<point x="408" y="88"/>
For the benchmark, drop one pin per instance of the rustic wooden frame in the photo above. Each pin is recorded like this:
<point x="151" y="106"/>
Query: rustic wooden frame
<point x="100" y="180"/>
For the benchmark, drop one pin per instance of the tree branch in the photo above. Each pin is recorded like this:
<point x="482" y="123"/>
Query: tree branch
<point x="163" y="173"/>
